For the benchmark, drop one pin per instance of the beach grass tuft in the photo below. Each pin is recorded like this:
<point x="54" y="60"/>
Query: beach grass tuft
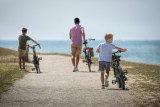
<point x="9" y="73"/>
<point x="9" y="69"/>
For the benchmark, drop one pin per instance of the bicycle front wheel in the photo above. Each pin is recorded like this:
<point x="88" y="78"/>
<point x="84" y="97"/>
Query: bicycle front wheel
<point x="89" y="65"/>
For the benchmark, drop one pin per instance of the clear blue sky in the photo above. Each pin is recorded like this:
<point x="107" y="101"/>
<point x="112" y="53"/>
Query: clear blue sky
<point x="52" y="19"/>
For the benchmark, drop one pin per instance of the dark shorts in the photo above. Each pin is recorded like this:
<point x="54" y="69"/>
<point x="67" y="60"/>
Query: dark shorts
<point x="104" y="66"/>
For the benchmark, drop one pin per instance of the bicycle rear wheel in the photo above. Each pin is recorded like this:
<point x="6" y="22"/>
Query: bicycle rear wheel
<point x="122" y="82"/>
<point x="88" y="54"/>
<point x="89" y="65"/>
<point x="118" y="81"/>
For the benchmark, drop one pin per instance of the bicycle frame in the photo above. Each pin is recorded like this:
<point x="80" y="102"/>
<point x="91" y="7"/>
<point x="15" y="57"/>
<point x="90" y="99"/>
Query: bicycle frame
<point x="35" y="58"/>
<point x="119" y="74"/>
<point x="87" y="52"/>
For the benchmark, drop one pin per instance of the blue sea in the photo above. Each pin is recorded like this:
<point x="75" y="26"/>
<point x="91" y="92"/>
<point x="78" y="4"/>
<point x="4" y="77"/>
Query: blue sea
<point x="137" y="51"/>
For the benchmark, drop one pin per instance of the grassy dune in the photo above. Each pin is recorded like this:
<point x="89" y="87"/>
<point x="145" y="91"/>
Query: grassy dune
<point x="9" y="69"/>
<point x="8" y="55"/>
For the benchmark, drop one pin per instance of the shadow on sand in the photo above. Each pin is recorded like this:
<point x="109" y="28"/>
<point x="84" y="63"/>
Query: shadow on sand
<point x="87" y="72"/>
<point x="36" y="72"/>
<point x="126" y="89"/>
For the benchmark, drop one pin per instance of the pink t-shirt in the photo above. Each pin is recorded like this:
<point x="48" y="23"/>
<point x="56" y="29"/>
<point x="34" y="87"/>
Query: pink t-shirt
<point x="76" y="32"/>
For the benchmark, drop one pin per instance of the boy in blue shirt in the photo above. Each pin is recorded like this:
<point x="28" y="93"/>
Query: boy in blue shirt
<point x="105" y="57"/>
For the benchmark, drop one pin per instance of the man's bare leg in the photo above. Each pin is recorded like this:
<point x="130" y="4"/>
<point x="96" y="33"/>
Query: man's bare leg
<point x="77" y="60"/>
<point x="19" y="62"/>
<point x="73" y="60"/>
<point x="23" y="62"/>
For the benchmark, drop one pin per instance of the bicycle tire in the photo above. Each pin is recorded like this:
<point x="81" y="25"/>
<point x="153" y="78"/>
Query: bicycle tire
<point x="117" y="76"/>
<point x="37" y="68"/>
<point x="88" y="59"/>
<point x="122" y="82"/>
<point x="89" y="65"/>
<point x="119" y="83"/>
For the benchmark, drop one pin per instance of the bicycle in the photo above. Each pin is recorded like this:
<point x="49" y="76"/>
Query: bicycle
<point x="118" y="72"/>
<point x="35" y="58"/>
<point x="88" y="51"/>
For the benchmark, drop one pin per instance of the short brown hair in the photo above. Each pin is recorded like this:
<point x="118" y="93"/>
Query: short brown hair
<point x="24" y="30"/>
<point x="76" y="20"/>
<point x="108" y="36"/>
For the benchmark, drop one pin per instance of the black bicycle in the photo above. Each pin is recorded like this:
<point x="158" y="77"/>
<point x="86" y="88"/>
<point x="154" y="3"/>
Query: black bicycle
<point x="118" y="72"/>
<point x="88" y="51"/>
<point x="35" y="58"/>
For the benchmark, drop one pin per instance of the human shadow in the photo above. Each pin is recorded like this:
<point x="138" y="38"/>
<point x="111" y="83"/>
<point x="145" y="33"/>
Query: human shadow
<point x="36" y="72"/>
<point x="86" y="71"/>
<point x="126" y="89"/>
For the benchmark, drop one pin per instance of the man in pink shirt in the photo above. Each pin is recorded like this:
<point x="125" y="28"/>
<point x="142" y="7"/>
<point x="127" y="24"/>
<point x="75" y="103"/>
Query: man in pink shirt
<point x="76" y="33"/>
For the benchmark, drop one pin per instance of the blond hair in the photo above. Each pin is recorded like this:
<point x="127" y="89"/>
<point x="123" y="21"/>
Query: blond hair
<point x="108" y="36"/>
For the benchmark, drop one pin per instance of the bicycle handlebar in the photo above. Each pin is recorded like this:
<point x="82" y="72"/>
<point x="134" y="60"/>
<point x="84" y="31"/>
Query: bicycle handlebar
<point x="91" y="39"/>
<point x="34" y="46"/>
<point x="116" y="52"/>
<point x="86" y="41"/>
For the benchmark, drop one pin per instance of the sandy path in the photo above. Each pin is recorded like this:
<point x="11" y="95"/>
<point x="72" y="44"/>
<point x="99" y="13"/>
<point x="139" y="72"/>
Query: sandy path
<point x="58" y="86"/>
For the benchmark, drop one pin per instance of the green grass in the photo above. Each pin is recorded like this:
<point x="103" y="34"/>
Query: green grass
<point x="150" y="74"/>
<point x="9" y="69"/>
<point x="5" y="52"/>
<point x="9" y="73"/>
<point x="8" y="55"/>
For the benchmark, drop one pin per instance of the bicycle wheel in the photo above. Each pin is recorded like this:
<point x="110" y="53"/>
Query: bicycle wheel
<point x="37" y="68"/>
<point x="121" y="78"/>
<point x="118" y="79"/>
<point x="89" y="65"/>
<point x="118" y="82"/>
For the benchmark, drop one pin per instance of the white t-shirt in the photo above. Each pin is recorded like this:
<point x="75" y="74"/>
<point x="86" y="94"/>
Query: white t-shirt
<point x="106" y="51"/>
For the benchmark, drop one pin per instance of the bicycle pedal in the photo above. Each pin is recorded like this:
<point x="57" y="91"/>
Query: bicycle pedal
<point x="33" y="69"/>
<point x="125" y="72"/>
<point x="113" y="81"/>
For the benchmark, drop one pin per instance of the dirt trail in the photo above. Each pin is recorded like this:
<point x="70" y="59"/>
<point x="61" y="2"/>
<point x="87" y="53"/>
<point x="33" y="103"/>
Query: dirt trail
<point x="58" y="86"/>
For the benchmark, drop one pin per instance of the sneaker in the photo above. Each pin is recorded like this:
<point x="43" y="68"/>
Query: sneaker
<point x="23" y="68"/>
<point x="106" y="83"/>
<point x="103" y="87"/>
<point x="76" y="69"/>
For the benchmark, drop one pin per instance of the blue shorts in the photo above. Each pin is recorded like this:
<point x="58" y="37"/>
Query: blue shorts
<point x="104" y="66"/>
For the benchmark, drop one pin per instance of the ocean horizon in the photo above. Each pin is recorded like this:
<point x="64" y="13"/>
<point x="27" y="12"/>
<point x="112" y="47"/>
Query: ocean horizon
<point x="143" y="51"/>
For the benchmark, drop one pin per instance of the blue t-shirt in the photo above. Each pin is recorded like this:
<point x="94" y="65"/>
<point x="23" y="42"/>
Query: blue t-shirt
<point x="106" y="51"/>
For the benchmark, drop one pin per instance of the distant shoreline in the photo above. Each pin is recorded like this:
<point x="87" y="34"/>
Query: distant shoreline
<point x="96" y="40"/>
<point x="137" y="51"/>
<point x="65" y="54"/>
